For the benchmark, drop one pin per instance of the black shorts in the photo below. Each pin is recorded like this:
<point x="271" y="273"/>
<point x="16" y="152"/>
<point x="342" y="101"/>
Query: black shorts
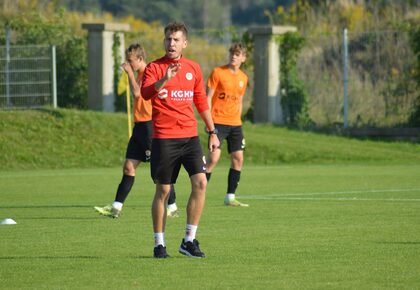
<point x="233" y="135"/>
<point x="140" y="144"/>
<point x="169" y="154"/>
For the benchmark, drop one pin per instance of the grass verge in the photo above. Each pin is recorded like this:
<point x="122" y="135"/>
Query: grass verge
<point x="62" y="138"/>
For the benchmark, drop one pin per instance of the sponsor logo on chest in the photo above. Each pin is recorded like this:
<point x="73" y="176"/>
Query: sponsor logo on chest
<point x="176" y="95"/>
<point x="182" y="95"/>
<point x="179" y="95"/>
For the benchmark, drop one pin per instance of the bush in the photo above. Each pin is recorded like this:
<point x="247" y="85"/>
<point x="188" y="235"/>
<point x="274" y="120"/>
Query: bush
<point x="293" y="95"/>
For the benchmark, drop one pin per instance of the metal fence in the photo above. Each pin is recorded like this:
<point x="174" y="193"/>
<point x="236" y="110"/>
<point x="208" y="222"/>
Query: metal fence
<point x="359" y="79"/>
<point x="27" y="76"/>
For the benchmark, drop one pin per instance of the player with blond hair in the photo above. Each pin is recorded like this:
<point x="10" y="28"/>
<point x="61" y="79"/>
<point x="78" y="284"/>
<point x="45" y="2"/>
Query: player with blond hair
<point x="226" y="87"/>
<point x="139" y="145"/>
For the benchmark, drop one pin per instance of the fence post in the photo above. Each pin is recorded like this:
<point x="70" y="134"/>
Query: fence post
<point x="53" y="77"/>
<point x="7" y="71"/>
<point x="345" y="79"/>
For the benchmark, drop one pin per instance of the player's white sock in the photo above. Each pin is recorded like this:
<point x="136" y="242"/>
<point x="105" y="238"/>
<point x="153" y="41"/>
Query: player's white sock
<point x="118" y="205"/>
<point x="190" y="231"/>
<point x="159" y="239"/>
<point x="230" y="196"/>
<point x="172" y="207"/>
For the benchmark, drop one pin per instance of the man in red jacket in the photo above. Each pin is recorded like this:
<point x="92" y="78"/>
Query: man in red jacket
<point x="174" y="83"/>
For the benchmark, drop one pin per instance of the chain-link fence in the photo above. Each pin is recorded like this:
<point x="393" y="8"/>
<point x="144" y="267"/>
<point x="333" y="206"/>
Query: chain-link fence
<point x="381" y="84"/>
<point x="27" y="76"/>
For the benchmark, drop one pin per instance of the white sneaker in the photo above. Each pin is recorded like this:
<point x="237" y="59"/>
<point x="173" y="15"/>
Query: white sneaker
<point x="108" y="211"/>
<point x="234" y="202"/>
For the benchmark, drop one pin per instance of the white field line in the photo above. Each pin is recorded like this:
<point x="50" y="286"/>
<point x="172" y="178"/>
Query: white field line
<point x="336" y="199"/>
<point x="313" y="195"/>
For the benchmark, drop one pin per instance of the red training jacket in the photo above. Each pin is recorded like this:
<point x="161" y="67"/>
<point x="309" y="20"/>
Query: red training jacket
<point x="173" y="113"/>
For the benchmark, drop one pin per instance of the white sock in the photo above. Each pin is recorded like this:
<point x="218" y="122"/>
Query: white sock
<point x="190" y="231"/>
<point x="172" y="207"/>
<point x="159" y="239"/>
<point x="118" y="205"/>
<point x="230" y="196"/>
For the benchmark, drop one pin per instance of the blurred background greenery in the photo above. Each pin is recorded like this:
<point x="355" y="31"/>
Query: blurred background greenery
<point x="384" y="41"/>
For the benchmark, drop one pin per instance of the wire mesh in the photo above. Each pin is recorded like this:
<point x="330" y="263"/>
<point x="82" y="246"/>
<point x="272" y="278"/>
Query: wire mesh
<point x="26" y="78"/>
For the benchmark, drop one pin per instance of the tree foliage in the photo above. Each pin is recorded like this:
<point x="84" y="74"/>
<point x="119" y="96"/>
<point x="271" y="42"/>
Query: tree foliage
<point x="47" y="22"/>
<point x="378" y="75"/>
<point x="415" y="44"/>
<point x="198" y="14"/>
<point x="327" y="16"/>
<point x="293" y="95"/>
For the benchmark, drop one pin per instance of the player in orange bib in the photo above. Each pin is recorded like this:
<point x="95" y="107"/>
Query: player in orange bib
<point x="226" y="87"/>
<point x="139" y="146"/>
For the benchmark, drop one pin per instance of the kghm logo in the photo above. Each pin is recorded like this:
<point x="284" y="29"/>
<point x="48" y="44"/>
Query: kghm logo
<point x="163" y="94"/>
<point x="182" y="95"/>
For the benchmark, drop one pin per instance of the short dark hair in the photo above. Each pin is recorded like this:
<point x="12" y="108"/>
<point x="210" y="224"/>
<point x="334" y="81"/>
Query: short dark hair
<point x="137" y="50"/>
<point x="237" y="47"/>
<point x="176" y="26"/>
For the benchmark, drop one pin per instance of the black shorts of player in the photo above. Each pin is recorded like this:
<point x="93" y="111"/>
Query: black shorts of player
<point x="169" y="154"/>
<point x="140" y="144"/>
<point x="233" y="135"/>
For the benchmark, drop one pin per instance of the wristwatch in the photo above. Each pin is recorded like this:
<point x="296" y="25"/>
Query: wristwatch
<point x="215" y="131"/>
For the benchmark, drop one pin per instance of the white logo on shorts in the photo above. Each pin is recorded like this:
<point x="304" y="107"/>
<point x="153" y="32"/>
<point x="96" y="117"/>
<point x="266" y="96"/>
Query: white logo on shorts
<point x="163" y="94"/>
<point x="148" y="153"/>
<point x="189" y="76"/>
<point x="204" y="161"/>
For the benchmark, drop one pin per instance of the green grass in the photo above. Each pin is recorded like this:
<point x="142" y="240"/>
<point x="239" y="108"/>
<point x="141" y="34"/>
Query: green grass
<point x="326" y="212"/>
<point x="56" y="139"/>
<point x="325" y="226"/>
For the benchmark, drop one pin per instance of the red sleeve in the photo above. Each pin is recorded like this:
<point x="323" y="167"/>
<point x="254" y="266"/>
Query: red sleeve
<point x="200" y="97"/>
<point x="148" y="90"/>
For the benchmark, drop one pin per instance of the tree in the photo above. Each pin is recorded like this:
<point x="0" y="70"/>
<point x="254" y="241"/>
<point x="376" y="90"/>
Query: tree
<point x="293" y="96"/>
<point x="415" y="45"/>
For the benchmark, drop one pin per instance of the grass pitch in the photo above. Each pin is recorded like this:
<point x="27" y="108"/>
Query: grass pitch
<point x="307" y="227"/>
